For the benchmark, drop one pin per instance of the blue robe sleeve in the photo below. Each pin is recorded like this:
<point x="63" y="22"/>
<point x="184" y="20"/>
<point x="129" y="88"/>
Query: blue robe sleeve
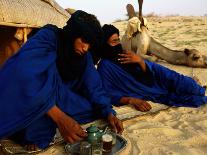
<point x="93" y="89"/>
<point x="27" y="82"/>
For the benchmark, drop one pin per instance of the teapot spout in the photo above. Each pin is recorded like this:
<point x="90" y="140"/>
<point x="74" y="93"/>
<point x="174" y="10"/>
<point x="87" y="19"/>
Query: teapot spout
<point x="106" y="128"/>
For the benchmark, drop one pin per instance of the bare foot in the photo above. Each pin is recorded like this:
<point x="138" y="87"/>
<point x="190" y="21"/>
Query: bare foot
<point x="195" y="78"/>
<point x="31" y="147"/>
<point x="138" y="104"/>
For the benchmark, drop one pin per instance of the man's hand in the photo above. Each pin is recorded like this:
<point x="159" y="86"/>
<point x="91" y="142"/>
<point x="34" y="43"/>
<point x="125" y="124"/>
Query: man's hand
<point x="138" y="104"/>
<point x="68" y="127"/>
<point x="131" y="57"/>
<point x="115" y="123"/>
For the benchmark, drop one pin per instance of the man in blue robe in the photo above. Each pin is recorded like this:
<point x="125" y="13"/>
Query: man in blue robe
<point x="52" y="83"/>
<point x="128" y="79"/>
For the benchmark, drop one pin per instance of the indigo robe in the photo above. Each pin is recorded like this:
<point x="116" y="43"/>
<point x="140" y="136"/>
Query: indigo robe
<point x="30" y="85"/>
<point x="166" y="86"/>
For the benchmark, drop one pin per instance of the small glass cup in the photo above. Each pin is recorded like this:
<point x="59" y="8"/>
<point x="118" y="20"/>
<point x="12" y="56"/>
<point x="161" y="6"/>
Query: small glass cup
<point x="85" y="148"/>
<point x="113" y="133"/>
<point x="97" y="148"/>
<point x="107" y="140"/>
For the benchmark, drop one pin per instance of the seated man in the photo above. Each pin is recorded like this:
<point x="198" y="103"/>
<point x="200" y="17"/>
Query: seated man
<point x="52" y="83"/>
<point x="128" y="79"/>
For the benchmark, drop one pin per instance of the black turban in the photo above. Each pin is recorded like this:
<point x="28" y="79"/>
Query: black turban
<point x="86" y="26"/>
<point x="107" y="51"/>
<point x="80" y="25"/>
<point x="109" y="30"/>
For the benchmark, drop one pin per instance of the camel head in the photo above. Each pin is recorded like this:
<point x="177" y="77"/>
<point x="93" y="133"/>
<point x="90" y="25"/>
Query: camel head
<point x="134" y="27"/>
<point x="195" y="58"/>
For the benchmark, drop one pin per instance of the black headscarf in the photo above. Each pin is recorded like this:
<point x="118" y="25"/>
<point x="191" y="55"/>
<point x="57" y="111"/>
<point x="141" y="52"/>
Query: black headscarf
<point x="110" y="52"/>
<point x="81" y="25"/>
<point x="109" y="30"/>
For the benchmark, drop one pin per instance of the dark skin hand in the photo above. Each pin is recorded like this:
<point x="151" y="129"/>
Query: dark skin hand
<point x="138" y="104"/>
<point x="115" y="123"/>
<point x="68" y="127"/>
<point x="130" y="57"/>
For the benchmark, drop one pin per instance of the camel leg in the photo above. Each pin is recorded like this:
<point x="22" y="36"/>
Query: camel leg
<point x="140" y="2"/>
<point x="142" y="51"/>
<point x="150" y="58"/>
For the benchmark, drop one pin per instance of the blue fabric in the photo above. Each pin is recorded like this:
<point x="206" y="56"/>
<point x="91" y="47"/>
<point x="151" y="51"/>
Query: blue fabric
<point x="30" y="85"/>
<point x="167" y="86"/>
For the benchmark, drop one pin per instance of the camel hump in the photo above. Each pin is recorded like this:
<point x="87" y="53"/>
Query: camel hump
<point x="130" y="11"/>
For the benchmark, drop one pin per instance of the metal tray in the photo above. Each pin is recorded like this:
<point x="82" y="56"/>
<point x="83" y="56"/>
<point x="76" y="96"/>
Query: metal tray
<point x="73" y="149"/>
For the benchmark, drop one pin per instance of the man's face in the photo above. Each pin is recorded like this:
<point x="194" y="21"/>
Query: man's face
<point x="113" y="48"/>
<point x="114" y="40"/>
<point x="80" y="47"/>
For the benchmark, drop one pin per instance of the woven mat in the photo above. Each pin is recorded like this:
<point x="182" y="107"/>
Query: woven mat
<point x="9" y="147"/>
<point x="127" y="112"/>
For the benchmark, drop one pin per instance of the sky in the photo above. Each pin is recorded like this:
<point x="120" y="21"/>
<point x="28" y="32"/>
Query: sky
<point x="108" y="11"/>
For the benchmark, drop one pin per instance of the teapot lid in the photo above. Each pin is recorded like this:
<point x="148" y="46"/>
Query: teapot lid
<point x="92" y="128"/>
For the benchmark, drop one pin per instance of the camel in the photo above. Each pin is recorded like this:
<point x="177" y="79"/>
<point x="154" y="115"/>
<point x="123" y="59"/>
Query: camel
<point x="11" y="39"/>
<point x="138" y="39"/>
<point x="19" y="22"/>
<point x="70" y="10"/>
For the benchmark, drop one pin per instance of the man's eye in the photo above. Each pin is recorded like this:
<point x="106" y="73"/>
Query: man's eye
<point x="116" y="40"/>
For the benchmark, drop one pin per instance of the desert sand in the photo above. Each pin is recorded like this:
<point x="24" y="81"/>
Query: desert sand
<point x="174" y="130"/>
<point x="167" y="130"/>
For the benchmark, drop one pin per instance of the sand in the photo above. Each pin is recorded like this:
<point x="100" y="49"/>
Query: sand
<point x="175" y="130"/>
<point x="164" y="130"/>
